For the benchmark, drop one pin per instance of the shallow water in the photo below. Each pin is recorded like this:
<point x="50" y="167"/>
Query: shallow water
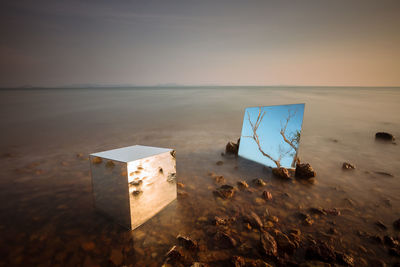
<point x="46" y="208"/>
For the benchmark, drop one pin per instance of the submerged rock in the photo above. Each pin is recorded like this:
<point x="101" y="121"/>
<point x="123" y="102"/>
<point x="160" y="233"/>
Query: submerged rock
<point x="242" y="185"/>
<point x="187" y="242"/>
<point x="321" y="251"/>
<point x="348" y="166"/>
<point x="259" y="182"/>
<point x="304" y="171"/>
<point x="281" y="172"/>
<point x="269" y="246"/>
<point x="225" y="191"/>
<point x="396" y="224"/>
<point x="267" y="195"/>
<point x="224" y="240"/>
<point x="384" y="136"/>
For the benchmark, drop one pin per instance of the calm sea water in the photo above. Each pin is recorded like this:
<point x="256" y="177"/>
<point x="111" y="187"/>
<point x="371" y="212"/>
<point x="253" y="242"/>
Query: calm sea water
<point x="46" y="209"/>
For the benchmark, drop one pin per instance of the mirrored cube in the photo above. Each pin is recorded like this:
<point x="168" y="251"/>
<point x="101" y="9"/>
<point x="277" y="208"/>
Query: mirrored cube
<point x="132" y="184"/>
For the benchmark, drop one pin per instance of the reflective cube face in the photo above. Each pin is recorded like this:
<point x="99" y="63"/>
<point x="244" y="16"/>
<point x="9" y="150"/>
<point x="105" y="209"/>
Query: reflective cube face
<point x="271" y="135"/>
<point x="132" y="184"/>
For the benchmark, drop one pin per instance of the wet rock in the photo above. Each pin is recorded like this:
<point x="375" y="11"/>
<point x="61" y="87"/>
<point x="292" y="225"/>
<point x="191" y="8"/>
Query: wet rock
<point x="253" y="219"/>
<point x="348" y="166"/>
<point x="384" y="174"/>
<point x="199" y="264"/>
<point x="238" y="261"/>
<point x="284" y="243"/>
<point x="174" y="254"/>
<point x="304" y="171"/>
<point x="224" y="240"/>
<point x="116" y="257"/>
<point x="220" y="221"/>
<point x="334" y="211"/>
<point x="321" y="251"/>
<point x="281" y="173"/>
<point x="267" y="195"/>
<point x="344" y="259"/>
<point x="332" y="231"/>
<point x="396" y="224"/>
<point x="219" y="179"/>
<point x="225" y="191"/>
<point x="256" y="263"/>
<point x="259" y="182"/>
<point x="377" y="263"/>
<point x="215" y="255"/>
<point x="381" y="225"/>
<point x="219" y="163"/>
<point x="242" y="185"/>
<point x="390" y="241"/>
<point x="269" y="246"/>
<point x="394" y="252"/>
<point x="180" y="185"/>
<point x="315" y="264"/>
<point x="375" y="239"/>
<point x="232" y="148"/>
<point x="186" y="242"/>
<point x="384" y="136"/>
<point x="318" y="211"/>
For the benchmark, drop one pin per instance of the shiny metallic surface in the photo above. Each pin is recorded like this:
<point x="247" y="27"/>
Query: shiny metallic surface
<point x="133" y="184"/>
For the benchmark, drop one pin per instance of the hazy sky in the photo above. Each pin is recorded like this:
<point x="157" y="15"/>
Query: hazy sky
<point x="200" y="42"/>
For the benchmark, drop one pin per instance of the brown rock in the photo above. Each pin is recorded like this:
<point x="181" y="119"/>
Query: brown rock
<point x="116" y="257"/>
<point x="97" y="160"/>
<point x="259" y="182"/>
<point x="267" y="195"/>
<point x="284" y="243"/>
<point x="242" y="185"/>
<point x="219" y="163"/>
<point x="180" y="185"/>
<point x="344" y="259"/>
<point x="304" y="171"/>
<point x="269" y="247"/>
<point x="238" y="261"/>
<point x="321" y="251"/>
<point x="253" y="219"/>
<point x="396" y="224"/>
<point x="225" y="191"/>
<point x="232" y="148"/>
<point x="281" y="173"/>
<point x="348" y="166"/>
<point x="186" y="242"/>
<point x="381" y="225"/>
<point x="224" y="240"/>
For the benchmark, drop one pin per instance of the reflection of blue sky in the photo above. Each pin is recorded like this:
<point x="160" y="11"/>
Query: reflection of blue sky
<point x="269" y="135"/>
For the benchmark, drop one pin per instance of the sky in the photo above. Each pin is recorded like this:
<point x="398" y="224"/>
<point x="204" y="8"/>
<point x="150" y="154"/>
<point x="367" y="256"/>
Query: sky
<point x="200" y="42"/>
<point x="269" y="135"/>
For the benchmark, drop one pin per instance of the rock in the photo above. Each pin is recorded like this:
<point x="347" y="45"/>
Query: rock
<point x="220" y="221"/>
<point x="225" y="191"/>
<point x="318" y="211"/>
<point x="396" y="224"/>
<point x="344" y="259"/>
<point x="383" y="136"/>
<point x="174" y="254"/>
<point x="97" y="160"/>
<point x="315" y="264"/>
<point x="199" y="264"/>
<point x="259" y="182"/>
<point x="253" y="219"/>
<point x="116" y="257"/>
<point x="375" y="239"/>
<point x="269" y="247"/>
<point x="381" y="225"/>
<point x="232" y="148"/>
<point x="219" y="163"/>
<point x="242" y="185"/>
<point x="348" y="166"/>
<point x="281" y="173"/>
<point x="284" y="243"/>
<point x="384" y="174"/>
<point x="390" y="241"/>
<point x="238" y="261"/>
<point x="304" y="171"/>
<point x="267" y="195"/>
<point x="333" y="211"/>
<point x="186" y="242"/>
<point x="256" y="263"/>
<point x="224" y="240"/>
<point x="88" y="246"/>
<point x="179" y="185"/>
<point x="394" y="252"/>
<point x="218" y="179"/>
<point x="321" y="251"/>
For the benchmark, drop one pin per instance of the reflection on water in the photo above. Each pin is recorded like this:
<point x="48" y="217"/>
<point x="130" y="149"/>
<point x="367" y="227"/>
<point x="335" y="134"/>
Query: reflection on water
<point x="46" y="205"/>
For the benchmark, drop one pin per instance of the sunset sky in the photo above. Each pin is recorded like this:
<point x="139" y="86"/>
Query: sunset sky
<point x="193" y="42"/>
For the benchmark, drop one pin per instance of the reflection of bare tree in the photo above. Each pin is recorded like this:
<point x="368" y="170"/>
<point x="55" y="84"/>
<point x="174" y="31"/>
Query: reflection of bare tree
<point x="291" y="139"/>
<point x="257" y="140"/>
